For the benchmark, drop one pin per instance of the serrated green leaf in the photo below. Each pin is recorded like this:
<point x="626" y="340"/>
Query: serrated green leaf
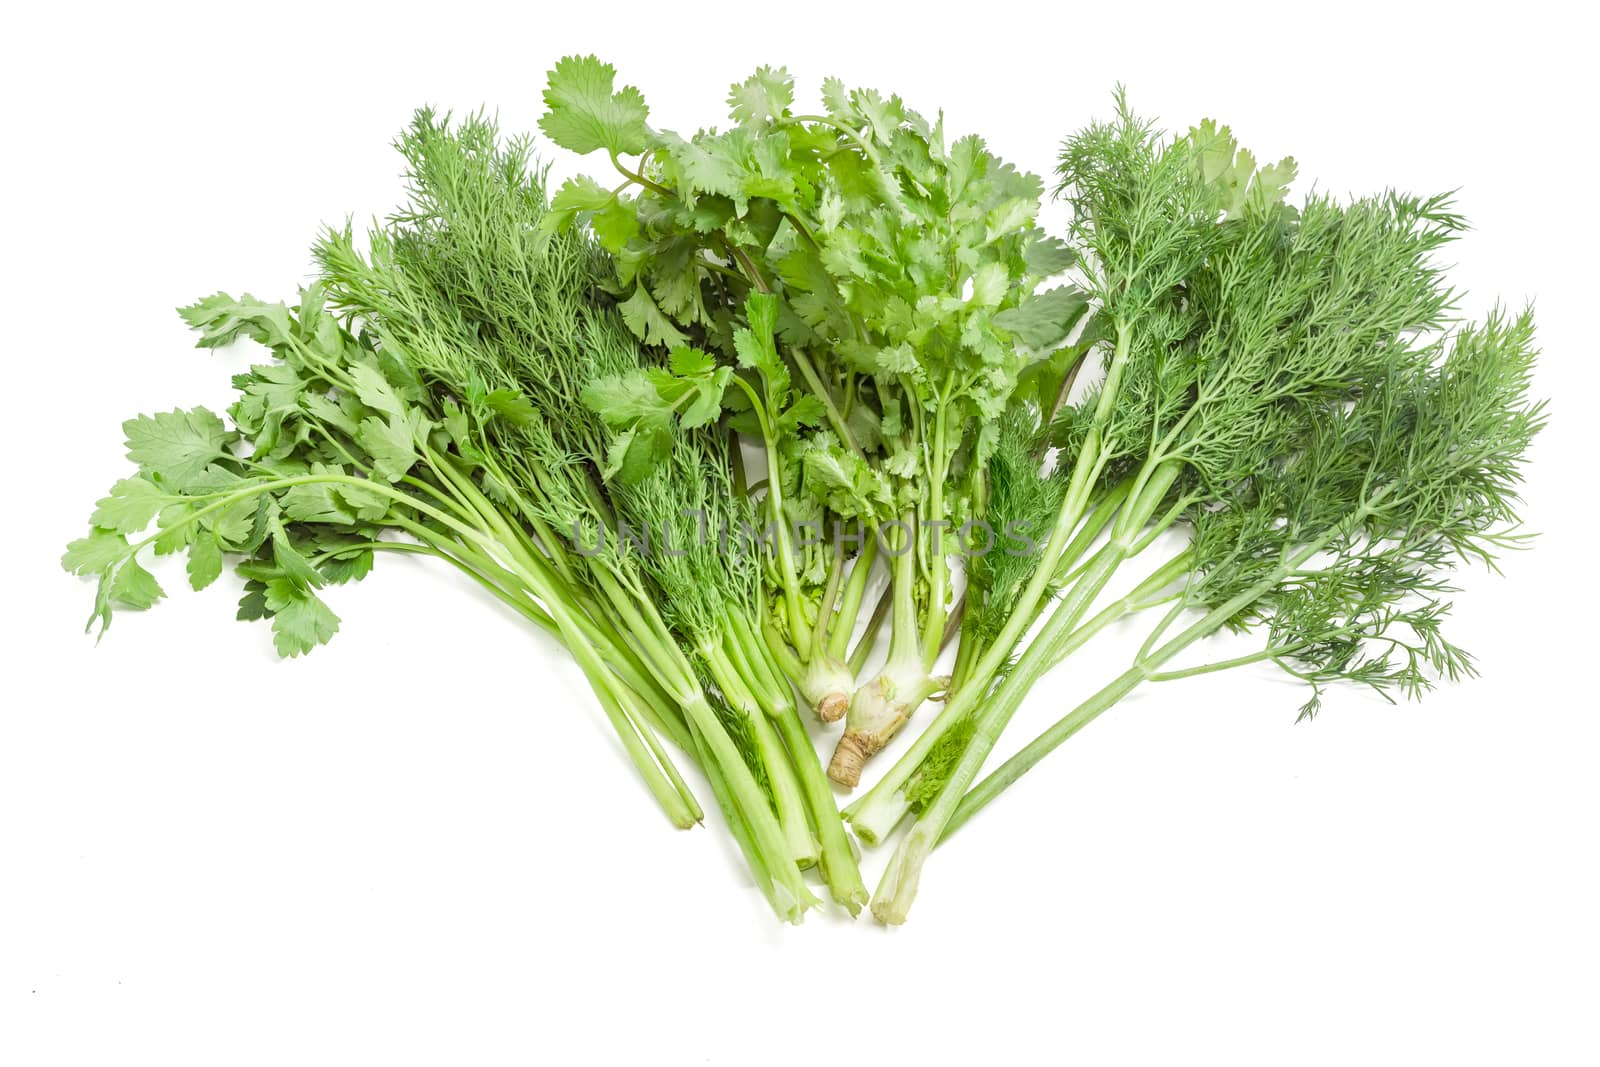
<point x="615" y="225"/>
<point x="290" y="562"/>
<point x="763" y="96"/>
<point x="587" y="113"/>
<point x="706" y="404"/>
<point x="709" y="164"/>
<point x="845" y="482"/>
<point x="94" y="553"/>
<point x="836" y="100"/>
<point x="220" y="319"/>
<point x="300" y="621"/>
<point x="688" y="362"/>
<point x="582" y="193"/>
<point x="625" y="398"/>
<point x="134" y="587"/>
<point x="1046" y="256"/>
<point x="131" y="506"/>
<point x="253" y="604"/>
<point x="512" y="406"/>
<point x="375" y="391"/>
<point x="1272" y="182"/>
<point x="316" y="502"/>
<point x="176" y="446"/>
<point x="647" y="322"/>
<point x="391" y="444"/>
<point x="1045" y="319"/>
<point x="205" y="561"/>
<point x="1009" y="217"/>
<point x="351" y="567"/>
<point x="989" y="285"/>
<point x="176" y="528"/>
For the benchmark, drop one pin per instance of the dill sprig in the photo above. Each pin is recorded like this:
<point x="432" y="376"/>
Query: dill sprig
<point x="509" y="315"/>
<point x="1288" y="384"/>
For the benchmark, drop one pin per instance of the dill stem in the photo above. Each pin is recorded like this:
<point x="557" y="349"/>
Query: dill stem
<point x="749" y="696"/>
<point x="1143" y="669"/>
<point x="838" y="861"/>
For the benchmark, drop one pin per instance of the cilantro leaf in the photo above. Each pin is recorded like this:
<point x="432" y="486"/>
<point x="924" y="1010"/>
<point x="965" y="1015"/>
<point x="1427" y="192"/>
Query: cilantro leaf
<point x="647" y="322"/>
<point x="764" y="95"/>
<point x="587" y="114"/>
<point x="1047" y="256"/>
<point x="1046" y="319"/>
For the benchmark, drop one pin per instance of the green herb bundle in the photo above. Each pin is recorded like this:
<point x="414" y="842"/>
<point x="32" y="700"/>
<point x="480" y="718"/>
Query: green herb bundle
<point x="964" y="428"/>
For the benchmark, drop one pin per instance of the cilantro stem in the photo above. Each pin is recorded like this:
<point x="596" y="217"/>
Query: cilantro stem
<point x="869" y="636"/>
<point x="824" y="394"/>
<point x="855" y="587"/>
<point x="639" y="178"/>
<point x="870" y="151"/>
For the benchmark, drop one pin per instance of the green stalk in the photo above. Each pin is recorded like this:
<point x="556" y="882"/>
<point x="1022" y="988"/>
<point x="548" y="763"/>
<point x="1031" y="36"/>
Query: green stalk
<point x="898" y="886"/>
<point x="869" y="636"/>
<point x="838" y="860"/>
<point x="650" y="700"/>
<point x="825" y="680"/>
<point x="730" y="677"/>
<point x="786" y="795"/>
<point x="876" y="815"/>
<point x="1143" y="670"/>
<point x="855" y="588"/>
<point x="740" y="829"/>
<point x="746" y="795"/>
<point x="766" y="833"/>
<point x="662" y="779"/>
<point x="938" y="571"/>
<point x="830" y="594"/>
<point x="877" y="806"/>
<point x="602" y="680"/>
<point x="779" y="649"/>
<point x="644" y="720"/>
<point x="820" y="390"/>
<point x="879" y="708"/>
<point x="798" y="634"/>
<point x="967" y="653"/>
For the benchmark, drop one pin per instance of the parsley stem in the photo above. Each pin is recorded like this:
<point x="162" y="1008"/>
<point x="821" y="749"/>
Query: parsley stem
<point x="838" y="861"/>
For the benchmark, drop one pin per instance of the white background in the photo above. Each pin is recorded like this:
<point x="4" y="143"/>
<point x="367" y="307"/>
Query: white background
<point x="421" y="845"/>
